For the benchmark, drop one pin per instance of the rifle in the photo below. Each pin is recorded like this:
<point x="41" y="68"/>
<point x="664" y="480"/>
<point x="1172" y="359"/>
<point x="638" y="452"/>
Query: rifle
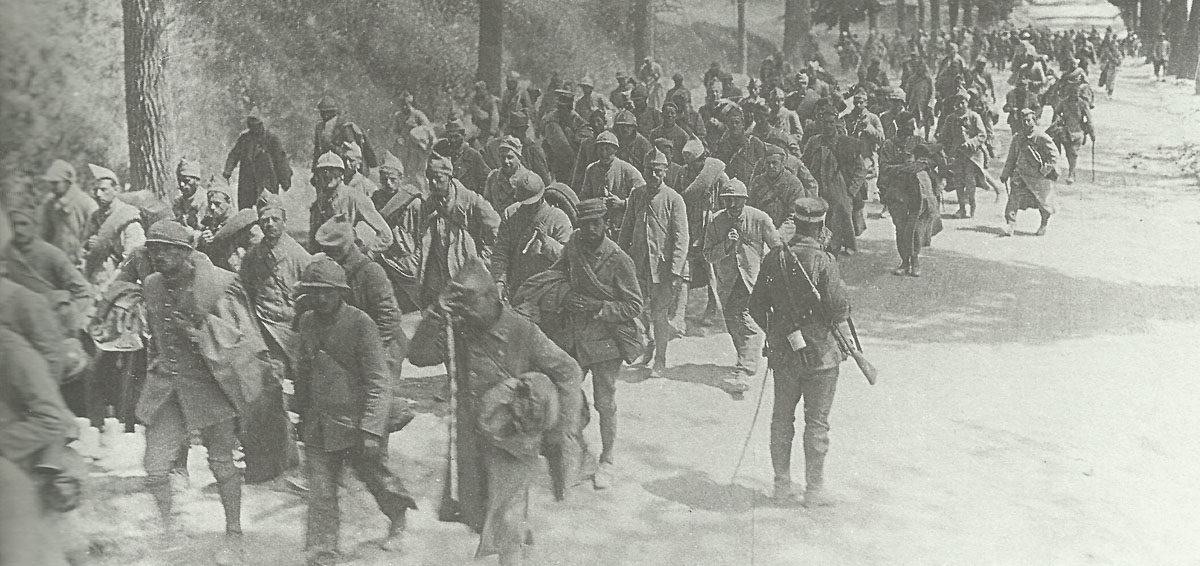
<point x="450" y="510"/>
<point x="847" y="347"/>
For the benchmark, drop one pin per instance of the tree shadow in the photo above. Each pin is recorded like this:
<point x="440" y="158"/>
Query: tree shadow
<point x="698" y="491"/>
<point x="962" y="298"/>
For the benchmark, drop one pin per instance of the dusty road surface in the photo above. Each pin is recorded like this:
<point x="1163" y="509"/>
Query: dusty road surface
<point x="1038" y="404"/>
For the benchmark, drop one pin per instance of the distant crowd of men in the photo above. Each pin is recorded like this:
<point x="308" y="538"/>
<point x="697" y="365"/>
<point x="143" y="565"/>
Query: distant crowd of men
<point x="543" y="238"/>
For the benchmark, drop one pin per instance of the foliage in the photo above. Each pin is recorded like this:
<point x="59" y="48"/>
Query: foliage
<point x="835" y="12"/>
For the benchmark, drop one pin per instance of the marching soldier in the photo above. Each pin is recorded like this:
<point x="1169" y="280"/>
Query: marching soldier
<point x="735" y="242"/>
<point x="1030" y="166"/>
<point x="531" y="236"/>
<point x="65" y="214"/>
<point x="801" y="349"/>
<point x="344" y="397"/>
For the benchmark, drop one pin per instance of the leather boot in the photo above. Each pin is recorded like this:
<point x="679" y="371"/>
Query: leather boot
<point x="230" y="491"/>
<point x="903" y="269"/>
<point x="914" y="267"/>
<point x="781" y="456"/>
<point x="608" y="437"/>
<point x="814" y="475"/>
<point x="1041" y="231"/>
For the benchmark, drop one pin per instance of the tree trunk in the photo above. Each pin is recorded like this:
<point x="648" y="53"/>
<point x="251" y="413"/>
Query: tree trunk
<point x="797" y="31"/>
<point x="146" y="115"/>
<point x="953" y="5"/>
<point x="1192" y="44"/>
<point x="935" y="17"/>
<point x="1135" y="19"/>
<point x="1151" y="21"/>
<point x="872" y="18"/>
<point x="900" y="17"/>
<point x="1177" y="28"/>
<point x="643" y="31"/>
<point x="967" y="19"/>
<point x="491" y="44"/>
<point x="741" y="36"/>
<point x="921" y="14"/>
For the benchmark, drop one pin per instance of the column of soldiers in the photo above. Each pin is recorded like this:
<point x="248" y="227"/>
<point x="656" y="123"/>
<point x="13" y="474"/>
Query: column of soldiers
<point x="540" y="245"/>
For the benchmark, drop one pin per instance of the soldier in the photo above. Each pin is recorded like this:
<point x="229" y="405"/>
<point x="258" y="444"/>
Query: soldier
<point x="515" y="99"/>
<point x="1073" y="118"/>
<point x="485" y="113"/>
<point x="800" y="347"/>
<point x="333" y="131"/>
<point x="469" y="167"/>
<point x="370" y="291"/>
<point x="831" y="156"/>
<point x="655" y="232"/>
<point x="735" y="242"/>
<point x="1110" y="62"/>
<point x="65" y="213"/>
<point x="187" y="208"/>
<point x="610" y="177"/>
<point x="562" y="132"/>
<point x="781" y="117"/>
<point x="532" y="156"/>
<point x="114" y="230"/>
<point x="33" y="418"/>
<point x="670" y="130"/>
<point x="964" y="139"/>
<point x="344" y="397"/>
<point x="498" y="189"/>
<point x="30" y="315"/>
<point x="192" y="384"/>
<point x="601" y="309"/>
<point x="353" y="177"/>
<point x="497" y="345"/>
<point x="270" y="272"/>
<point x="414" y="139"/>
<point x="1030" y="166"/>
<point x="739" y="150"/>
<point x="918" y="89"/>
<point x="597" y="123"/>
<point x="774" y="188"/>
<point x="590" y="101"/>
<point x="264" y="164"/>
<point x="906" y="189"/>
<point x="335" y="198"/>
<point x="459" y="225"/>
<point x="632" y="145"/>
<point x="220" y="210"/>
<point x="531" y="235"/>
<point x="1160" y="54"/>
<point x="648" y="117"/>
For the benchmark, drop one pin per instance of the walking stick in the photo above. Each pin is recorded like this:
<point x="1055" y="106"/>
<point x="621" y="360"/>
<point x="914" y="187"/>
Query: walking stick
<point x="1093" y="162"/>
<point x="450" y="509"/>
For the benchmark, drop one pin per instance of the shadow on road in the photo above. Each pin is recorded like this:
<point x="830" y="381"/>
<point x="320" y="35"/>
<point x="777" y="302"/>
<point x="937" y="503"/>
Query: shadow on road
<point x="962" y="298"/>
<point x="698" y="491"/>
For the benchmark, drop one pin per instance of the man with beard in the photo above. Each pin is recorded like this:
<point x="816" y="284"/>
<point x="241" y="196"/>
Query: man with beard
<point x="655" y="232"/>
<point x="270" y="272"/>
<point x="633" y="145"/>
<point x="220" y="210"/>
<point x="906" y="189"/>
<point x="264" y="164"/>
<point x="469" y="167"/>
<point x="531" y="235"/>
<point x="495" y="346"/>
<point x="198" y="315"/>
<point x="735" y="242"/>
<point x="1030" y="166"/>
<point x="459" y="226"/>
<point x="344" y="397"/>
<point x="562" y="132"/>
<point x="832" y="157"/>
<point x="335" y="198"/>
<point x="671" y="131"/>
<point x="801" y="350"/>
<point x="964" y="139"/>
<point x="774" y="188"/>
<point x="600" y="312"/>
<point x="610" y="177"/>
<point x="498" y="189"/>
<point x="65" y="213"/>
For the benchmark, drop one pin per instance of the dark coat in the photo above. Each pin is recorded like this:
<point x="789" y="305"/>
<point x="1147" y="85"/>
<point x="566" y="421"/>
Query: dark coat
<point x="589" y="336"/>
<point x="341" y="383"/>
<point x="264" y="166"/>
<point x="655" y="233"/>
<point x="513" y="260"/>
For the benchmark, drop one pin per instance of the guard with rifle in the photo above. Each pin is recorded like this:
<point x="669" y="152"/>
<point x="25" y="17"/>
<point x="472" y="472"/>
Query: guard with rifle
<point x="802" y="302"/>
<point x="515" y="392"/>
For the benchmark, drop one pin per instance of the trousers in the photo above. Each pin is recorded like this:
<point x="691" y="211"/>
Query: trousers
<point x="747" y="337"/>
<point x="604" y="394"/>
<point x="26" y="536"/>
<point x="168" y="440"/>
<point x="816" y="389"/>
<point x="323" y="470"/>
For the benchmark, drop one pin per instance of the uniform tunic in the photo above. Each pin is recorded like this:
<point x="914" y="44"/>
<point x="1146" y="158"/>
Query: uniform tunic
<point x="736" y="266"/>
<point x="512" y="260"/>
<point x="452" y="234"/>
<point x="65" y="220"/>
<point x="263" y="166"/>
<point x="655" y="234"/>
<point x="355" y="206"/>
<point x="512" y="346"/>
